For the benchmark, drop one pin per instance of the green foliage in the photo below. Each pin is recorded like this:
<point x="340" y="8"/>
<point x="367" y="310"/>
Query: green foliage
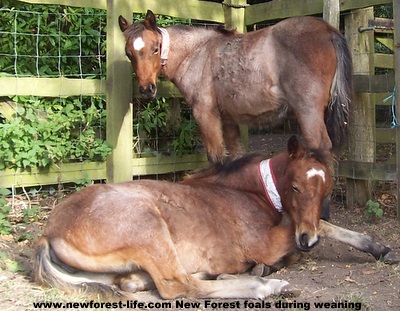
<point x="188" y="138"/>
<point x="5" y="225"/>
<point x="83" y="182"/>
<point x="44" y="132"/>
<point x="31" y="214"/>
<point x="177" y="136"/>
<point x="51" y="40"/>
<point x="373" y="209"/>
<point x="383" y="11"/>
<point x="8" y="264"/>
<point x="25" y="216"/>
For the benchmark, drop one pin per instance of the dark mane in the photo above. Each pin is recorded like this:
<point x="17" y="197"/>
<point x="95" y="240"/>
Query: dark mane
<point x="226" y="168"/>
<point x="224" y="31"/>
<point x="218" y="28"/>
<point x="137" y="28"/>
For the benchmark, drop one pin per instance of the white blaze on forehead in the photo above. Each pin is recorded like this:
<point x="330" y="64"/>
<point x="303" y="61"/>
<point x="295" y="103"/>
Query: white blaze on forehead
<point x="138" y="44"/>
<point x="314" y="172"/>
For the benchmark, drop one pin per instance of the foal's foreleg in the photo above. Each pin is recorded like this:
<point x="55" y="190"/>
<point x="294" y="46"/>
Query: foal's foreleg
<point x="209" y="121"/>
<point x="362" y="242"/>
<point x="280" y="241"/>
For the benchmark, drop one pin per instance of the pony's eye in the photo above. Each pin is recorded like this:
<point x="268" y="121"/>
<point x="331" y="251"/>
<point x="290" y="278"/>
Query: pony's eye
<point x="295" y="188"/>
<point x="128" y="54"/>
<point x="156" y="51"/>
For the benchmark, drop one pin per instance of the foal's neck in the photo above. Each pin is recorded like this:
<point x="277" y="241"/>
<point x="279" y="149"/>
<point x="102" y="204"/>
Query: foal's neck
<point x="279" y="164"/>
<point x="183" y="41"/>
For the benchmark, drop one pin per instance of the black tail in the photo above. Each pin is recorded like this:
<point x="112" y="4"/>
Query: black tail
<point x="337" y="113"/>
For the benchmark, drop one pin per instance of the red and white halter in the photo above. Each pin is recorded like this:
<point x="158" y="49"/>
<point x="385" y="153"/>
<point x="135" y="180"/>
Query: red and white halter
<point x="268" y="181"/>
<point x="164" y="45"/>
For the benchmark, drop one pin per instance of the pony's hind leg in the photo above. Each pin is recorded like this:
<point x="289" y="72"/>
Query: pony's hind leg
<point x="243" y="287"/>
<point x="231" y="132"/>
<point x="314" y="131"/>
<point x="173" y="281"/>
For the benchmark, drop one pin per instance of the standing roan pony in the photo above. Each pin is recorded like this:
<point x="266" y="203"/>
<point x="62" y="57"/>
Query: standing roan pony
<point x="301" y="65"/>
<point x="145" y="234"/>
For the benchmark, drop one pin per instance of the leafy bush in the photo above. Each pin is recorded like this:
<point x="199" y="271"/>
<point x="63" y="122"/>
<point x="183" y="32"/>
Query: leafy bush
<point x="157" y="130"/>
<point x="5" y="225"/>
<point x="43" y="132"/>
<point x="52" y="40"/>
<point x="373" y="210"/>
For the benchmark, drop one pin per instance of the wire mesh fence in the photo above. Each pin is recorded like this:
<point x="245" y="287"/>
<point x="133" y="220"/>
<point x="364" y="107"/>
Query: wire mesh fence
<point x="52" y="41"/>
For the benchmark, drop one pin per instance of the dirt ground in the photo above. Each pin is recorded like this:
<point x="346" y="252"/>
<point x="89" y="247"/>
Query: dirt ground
<point x="331" y="273"/>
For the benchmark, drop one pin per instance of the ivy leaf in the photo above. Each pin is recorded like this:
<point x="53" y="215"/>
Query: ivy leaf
<point x="5" y="192"/>
<point x="13" y="266"/>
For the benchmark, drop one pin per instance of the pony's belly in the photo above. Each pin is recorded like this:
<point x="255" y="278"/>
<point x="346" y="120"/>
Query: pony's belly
<point x="260" y="115"/>
<point x="260" y="107"/>
<point x="268" y="119"/>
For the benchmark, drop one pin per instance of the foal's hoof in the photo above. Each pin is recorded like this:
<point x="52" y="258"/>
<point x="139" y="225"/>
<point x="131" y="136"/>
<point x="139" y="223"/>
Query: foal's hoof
<point x="391" y="258"/>
<point x="261" y="270"/>
<point x="290" y="291"/>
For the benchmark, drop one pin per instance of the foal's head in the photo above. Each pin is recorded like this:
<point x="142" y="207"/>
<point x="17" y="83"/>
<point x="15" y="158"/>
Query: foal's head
<point x="307" y="184"/>
<point x="143" y="43"/>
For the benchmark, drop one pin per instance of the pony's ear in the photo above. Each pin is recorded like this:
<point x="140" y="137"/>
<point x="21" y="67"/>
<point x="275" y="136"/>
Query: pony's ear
<point x="150" y="21"/>
<point x="123" y="23"/>
<point x="295" y="147"/>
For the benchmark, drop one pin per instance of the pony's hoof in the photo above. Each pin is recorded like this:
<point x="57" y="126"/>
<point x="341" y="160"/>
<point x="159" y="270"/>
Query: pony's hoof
<point x="290" y="291"/>
<point x="261" y="270"/>
<point x="391" y="258"/>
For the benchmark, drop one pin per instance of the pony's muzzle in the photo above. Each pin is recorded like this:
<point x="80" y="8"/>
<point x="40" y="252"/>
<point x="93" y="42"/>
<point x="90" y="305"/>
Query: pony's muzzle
<point x="148" y="92"/>
<point x="305" y="241"/>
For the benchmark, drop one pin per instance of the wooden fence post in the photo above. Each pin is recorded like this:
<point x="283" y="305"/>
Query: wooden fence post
<point x="396" y="13"/>
<point x="331" y="12"/>
<point x="362" y="123"/>
<point x="234" y="11"/>
<point x="119" y="94"/>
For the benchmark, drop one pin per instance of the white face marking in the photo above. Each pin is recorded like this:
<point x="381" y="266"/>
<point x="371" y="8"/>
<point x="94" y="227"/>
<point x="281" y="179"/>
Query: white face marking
<point x="313" y="172"/>
<point x="138" y="44"/>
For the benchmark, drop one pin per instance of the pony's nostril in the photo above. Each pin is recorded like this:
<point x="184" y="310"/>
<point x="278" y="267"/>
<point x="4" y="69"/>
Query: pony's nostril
<point x="304" y="240"/>
<point x="152" y="87"/>
<point x="149" y="91"/>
